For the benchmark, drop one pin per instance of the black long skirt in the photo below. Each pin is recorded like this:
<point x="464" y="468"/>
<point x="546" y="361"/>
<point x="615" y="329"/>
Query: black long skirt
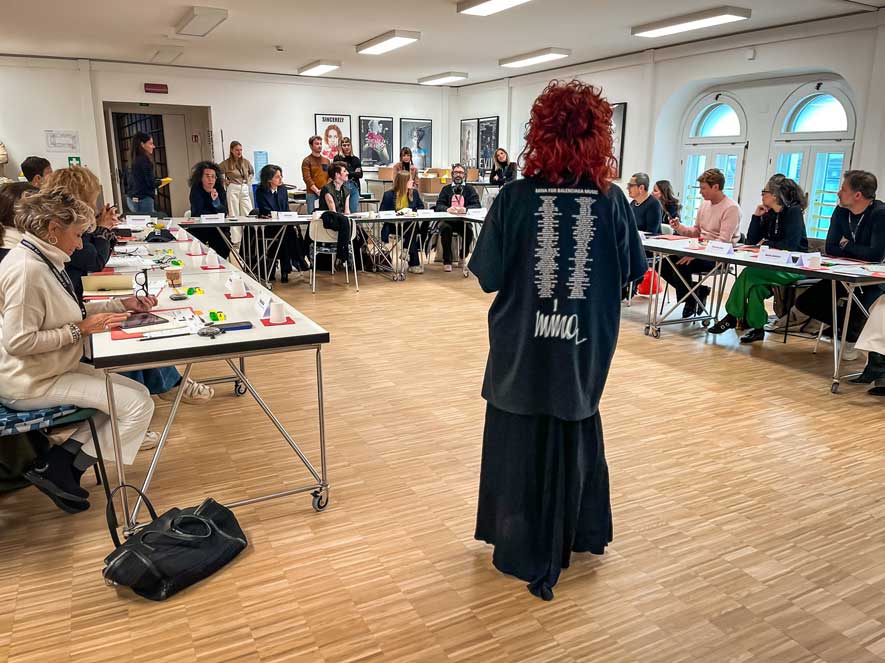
<point x="543" y="493"/>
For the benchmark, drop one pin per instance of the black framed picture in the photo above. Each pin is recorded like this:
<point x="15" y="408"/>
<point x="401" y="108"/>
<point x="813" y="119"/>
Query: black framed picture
<point x="417" y="135"/>
<point x="619" y="125"/>
<point x="487" y="143"/>
<point x="376" y="141"/>
<point x="331" y="128"/>
<point x="468" y="152"/>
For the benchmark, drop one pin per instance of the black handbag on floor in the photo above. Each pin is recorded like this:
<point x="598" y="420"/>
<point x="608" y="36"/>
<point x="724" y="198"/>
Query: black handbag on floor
<point x="173" y="551"/>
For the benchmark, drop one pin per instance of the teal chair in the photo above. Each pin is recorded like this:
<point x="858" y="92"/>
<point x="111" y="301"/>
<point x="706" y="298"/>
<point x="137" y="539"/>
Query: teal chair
<point x="16" y="421"/>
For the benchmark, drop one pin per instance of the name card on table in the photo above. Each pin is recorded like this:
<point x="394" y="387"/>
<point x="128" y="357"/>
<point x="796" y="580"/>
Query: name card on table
<point x="810" y="259"/>
<point x="287" y="216"/>
<point x="262" y="304"/>
<point x="212" y="217"/>
<point x="139" y="218"/>
<point x="775" y="256"/>
<point x="720" y="248"/>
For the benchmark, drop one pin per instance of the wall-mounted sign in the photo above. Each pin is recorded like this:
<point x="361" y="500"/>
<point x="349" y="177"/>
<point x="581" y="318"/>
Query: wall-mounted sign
<point x="156" y="88"/>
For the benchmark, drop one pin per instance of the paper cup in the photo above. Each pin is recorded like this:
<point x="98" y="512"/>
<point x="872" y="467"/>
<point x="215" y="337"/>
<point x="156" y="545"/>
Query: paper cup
<point x="813" y="261"/>
<point x="277" y="312"/>
<point x="212" y="259"/>
<point x="173" y="276"/>
<point x="181" y="235"/>
<point x="196" y="248"/>
<point x="238" y="287"/>
<point x="274" y="215"/>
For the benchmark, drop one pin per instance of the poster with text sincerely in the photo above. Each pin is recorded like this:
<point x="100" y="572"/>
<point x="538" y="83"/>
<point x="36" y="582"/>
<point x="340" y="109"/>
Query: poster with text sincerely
<point x="488" y="142"/>
<point x="619" y="122"/>
<point x="469" y="129"/>
<point x="331" y="128"/>
<point x="417" y="135"/>
<point x="376" y="141"/>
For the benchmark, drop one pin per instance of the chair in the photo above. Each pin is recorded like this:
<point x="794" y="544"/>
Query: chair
<point x="324" y="241"/>
<point x="24" y="421"/>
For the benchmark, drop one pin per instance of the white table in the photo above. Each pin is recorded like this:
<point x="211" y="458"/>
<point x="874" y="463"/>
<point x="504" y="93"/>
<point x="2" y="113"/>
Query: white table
<point x="115" y="356"/>
<point x="662" y="250"/>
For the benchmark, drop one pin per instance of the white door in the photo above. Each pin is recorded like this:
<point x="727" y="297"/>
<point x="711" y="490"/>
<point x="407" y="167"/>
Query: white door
<point x="727" y="158"/>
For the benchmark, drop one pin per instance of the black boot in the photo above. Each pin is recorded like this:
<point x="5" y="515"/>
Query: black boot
<point x="728" y="322"/>
<point x="52" y="474"/>
<point x="753" y="335"/>
<point x="874" y="370"/>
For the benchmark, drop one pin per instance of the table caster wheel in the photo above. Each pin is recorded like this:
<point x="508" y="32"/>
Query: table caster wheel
<point x="705" y="323"/>
<point x="656" y="333"/>
<point x="647" y="330"/>
<point x="835" y="388"/>
<point x="466" y="273"/>
<point x="239" y="388"/>
<point x="320" y="500"/>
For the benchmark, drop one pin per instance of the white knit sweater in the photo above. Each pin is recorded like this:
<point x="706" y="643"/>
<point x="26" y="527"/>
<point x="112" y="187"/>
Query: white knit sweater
<point x="36" y="346"/>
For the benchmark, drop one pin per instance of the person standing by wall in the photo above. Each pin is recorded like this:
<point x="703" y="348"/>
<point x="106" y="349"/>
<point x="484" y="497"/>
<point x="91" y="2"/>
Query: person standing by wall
<point x="558" y="247"/>
<point x="142" y="183"/>
<point x="238" y="175"/>
<point x="354" y="173"/>
<point x="315" y="171"/>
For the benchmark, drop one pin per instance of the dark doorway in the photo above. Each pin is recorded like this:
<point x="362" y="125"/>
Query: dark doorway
<point x="126" y="125"/>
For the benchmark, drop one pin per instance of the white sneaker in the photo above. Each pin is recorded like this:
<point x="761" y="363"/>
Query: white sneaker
<point x="194" y="392"/>
<point x="417" y="269"/>
<point x="151" y="440"/>
<point x="849" y="353"/>
<point x="447" y="268"/>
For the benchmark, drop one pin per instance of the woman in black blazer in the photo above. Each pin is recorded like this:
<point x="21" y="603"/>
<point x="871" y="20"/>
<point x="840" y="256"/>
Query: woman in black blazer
<point x="503" y="170"/>
<point x="208" y="197"/>
<point x="270" y="197"/>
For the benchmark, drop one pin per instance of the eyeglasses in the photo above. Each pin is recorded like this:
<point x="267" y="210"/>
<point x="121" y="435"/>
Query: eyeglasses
<point x="630" y="185"/>
<point x="764" y="191"/>
<point x="141" y="283"/>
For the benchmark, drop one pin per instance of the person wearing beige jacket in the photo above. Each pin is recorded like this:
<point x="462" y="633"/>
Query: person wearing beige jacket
<point x="43" y="330"/>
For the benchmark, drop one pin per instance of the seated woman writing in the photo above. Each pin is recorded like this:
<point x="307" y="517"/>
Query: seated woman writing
<point x="43" y="327"/>
<point x="404" y="195"/>
<point x="779" y="224"/>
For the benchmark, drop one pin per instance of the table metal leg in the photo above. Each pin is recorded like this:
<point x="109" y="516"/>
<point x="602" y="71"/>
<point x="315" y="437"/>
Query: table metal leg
<point x="162" y="443"/>
<point x="118" y="449"/>
<point x="322" y="415"/>
<point x="837" y="352"/>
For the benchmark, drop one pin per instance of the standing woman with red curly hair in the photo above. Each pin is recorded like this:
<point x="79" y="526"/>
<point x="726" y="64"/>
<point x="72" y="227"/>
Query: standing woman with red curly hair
<point x="557" y="247"/>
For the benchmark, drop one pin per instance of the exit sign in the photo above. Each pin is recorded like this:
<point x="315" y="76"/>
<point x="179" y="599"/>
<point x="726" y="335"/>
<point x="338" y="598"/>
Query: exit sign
<point x="156" y="88"/>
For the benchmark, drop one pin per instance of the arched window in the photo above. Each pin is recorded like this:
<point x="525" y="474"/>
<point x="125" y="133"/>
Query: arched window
<point x="813" y="143"/>
<point x="717" y="121"/>
<point x="817" y="113"/>
<point x="715" y="136"/>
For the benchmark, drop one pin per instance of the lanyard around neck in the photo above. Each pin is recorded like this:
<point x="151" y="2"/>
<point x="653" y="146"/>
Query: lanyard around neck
<point x="62" y="277"/>
<point x="855" y="230"/>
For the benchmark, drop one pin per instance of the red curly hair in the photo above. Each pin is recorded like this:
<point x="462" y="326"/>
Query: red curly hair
<point x="569" y="136"/>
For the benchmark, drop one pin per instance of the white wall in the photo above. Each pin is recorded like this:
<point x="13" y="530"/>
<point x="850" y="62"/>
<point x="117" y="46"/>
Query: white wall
<point x="661" y="86"/>
<point x="264" y="112"/>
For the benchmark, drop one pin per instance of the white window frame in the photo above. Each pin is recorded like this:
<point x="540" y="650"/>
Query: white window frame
<point x="702" y="105"/>
<point x="795" y="101"/>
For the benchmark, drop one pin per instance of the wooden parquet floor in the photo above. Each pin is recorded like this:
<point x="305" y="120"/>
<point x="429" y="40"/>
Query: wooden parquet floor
<point x="748" y="509"/>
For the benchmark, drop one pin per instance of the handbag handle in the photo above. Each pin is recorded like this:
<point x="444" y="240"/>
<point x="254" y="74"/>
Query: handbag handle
<point x="111" y="515"/>
<point x="176" y="534"/>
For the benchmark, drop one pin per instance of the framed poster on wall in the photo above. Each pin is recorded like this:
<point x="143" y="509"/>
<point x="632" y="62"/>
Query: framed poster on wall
<point x="376" y="141"/>
<point x="417" y="135"/>
<point x="488" y="143"/>
<point x="331" y="128"/>
<point x="619" y="125"/>
<point x="469" y="130"/>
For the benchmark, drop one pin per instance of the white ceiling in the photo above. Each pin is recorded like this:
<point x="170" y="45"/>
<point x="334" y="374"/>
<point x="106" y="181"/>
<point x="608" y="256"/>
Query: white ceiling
<point x="130" y="30"/>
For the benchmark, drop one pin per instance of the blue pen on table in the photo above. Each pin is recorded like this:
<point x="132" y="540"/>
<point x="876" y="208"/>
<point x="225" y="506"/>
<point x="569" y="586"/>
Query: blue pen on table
<point x="154" y="338"/>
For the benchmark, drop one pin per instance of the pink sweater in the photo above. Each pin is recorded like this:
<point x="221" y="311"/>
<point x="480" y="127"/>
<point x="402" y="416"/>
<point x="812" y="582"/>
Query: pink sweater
<point x="720" y="222"/>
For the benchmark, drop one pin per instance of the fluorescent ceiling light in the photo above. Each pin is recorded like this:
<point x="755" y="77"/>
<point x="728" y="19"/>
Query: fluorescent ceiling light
<point x="200" y="21"/>
<point x="388" y="42"/>
<point x="319" y="68"/>
<point x="443" y="79"/>
<point x="535" y="57"/>
<point x="486" y="7"/>
<point x="166" y="54"/>
<point x="696" y="21"/>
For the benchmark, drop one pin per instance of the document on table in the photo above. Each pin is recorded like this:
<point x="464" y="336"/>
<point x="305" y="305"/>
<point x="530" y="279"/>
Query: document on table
<point x="136" y="262"/>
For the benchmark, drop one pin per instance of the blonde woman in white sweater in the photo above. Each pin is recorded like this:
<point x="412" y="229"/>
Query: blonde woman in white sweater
<point x="43" y="325"/>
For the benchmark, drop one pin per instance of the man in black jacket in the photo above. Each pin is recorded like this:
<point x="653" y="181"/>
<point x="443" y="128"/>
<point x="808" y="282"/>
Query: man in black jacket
<point x="456" y="198"/>
<point x="857" y="231"/>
